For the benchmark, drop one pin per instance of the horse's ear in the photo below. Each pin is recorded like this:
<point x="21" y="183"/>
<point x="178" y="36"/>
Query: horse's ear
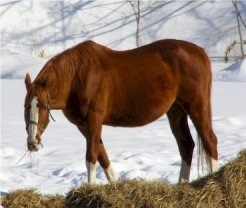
<point x="28" y="81"/>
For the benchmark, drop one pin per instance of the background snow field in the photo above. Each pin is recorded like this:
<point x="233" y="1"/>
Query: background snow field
<point x="149" y="152"/>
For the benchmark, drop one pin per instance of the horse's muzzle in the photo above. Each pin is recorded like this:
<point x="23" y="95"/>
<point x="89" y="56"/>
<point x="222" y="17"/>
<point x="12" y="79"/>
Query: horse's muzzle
<point x="32" y="144"/>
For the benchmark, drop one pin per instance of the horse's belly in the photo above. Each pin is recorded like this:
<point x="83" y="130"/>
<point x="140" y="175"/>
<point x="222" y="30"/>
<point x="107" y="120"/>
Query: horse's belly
<point x="140" y="99"/>
<point x="130" y="121"/>
<point x="139" y="115"/>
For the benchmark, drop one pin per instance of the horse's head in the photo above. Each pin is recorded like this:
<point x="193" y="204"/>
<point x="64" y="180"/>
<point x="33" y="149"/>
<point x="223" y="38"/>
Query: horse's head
<point x="37" y="106"/>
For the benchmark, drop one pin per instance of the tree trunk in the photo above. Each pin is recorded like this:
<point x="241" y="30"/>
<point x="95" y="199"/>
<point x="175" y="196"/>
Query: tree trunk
<point x="239" y="28"/>
<point x="137" y="14"/>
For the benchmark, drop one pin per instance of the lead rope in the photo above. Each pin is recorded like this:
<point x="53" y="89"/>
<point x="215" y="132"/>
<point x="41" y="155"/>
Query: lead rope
<point x="51" y="115"/>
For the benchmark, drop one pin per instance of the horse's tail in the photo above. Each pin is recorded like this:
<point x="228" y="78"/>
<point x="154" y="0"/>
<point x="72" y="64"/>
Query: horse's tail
<point x="203" y="158"/>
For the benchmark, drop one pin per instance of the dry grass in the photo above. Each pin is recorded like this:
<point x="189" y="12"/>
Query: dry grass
<point x="31" y="199"/>
<point x="225" y="188"/>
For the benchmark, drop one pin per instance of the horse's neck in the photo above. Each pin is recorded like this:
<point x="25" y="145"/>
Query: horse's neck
<point x="58" y="92"/>
<point x="57" y="102"/>
<point x="62" y="80"/>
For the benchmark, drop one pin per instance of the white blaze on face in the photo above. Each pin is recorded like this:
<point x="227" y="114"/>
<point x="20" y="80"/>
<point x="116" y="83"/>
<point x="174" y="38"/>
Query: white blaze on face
<point x="32" y="128"/>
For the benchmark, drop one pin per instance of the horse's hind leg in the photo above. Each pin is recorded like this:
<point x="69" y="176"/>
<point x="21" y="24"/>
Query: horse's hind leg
<point x="179" y="126"/>
<point x="105" y="163"/>
<point x="200" y="114"/>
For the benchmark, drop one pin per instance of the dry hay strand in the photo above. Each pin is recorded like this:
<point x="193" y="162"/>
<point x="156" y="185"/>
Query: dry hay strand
<point x="31" y="199"/>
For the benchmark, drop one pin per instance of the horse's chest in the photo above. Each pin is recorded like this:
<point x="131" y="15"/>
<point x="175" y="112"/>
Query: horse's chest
<point x="74" y="115"/>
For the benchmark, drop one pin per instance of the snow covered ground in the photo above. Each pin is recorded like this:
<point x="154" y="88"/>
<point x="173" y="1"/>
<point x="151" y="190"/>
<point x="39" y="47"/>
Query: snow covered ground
<point x="147" y="152"/>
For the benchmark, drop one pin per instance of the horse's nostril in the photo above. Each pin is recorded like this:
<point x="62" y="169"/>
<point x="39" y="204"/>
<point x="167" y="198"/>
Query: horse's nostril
<point x="33" y="148"/>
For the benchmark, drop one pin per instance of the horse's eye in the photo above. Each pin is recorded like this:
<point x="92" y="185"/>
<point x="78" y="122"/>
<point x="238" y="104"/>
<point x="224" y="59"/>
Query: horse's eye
<point x="39" y="105"/>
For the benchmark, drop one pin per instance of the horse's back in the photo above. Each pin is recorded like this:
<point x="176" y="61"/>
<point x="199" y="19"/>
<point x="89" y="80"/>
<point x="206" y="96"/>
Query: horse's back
<point x="181" y="58"/>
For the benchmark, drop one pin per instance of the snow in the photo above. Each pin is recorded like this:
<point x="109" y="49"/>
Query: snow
<point x="148" y="152"/>
<point x="54" y="25"/>
<point x="230" y="72"/>
<point x="14" y="65"/>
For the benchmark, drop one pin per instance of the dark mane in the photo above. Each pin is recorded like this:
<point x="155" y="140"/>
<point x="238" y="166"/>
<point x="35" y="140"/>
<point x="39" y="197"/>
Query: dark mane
<point x="70" y="63"/>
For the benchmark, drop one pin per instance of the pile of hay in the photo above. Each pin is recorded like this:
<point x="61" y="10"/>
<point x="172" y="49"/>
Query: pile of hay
<point x="31" y="199"/>
<point x="225" y="188"/>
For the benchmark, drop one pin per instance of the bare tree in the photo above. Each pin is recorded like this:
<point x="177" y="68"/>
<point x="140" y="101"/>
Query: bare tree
<point x="135" y="4"/>
<point x="238" y="15"/>
<point x="241" y="42"/>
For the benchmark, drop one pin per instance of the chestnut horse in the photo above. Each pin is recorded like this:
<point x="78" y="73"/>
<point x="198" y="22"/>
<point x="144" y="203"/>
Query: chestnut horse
<point x="94" y="86"/>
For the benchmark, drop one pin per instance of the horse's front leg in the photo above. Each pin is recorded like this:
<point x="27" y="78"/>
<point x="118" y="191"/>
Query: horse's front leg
<point x="95" y="149"/>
